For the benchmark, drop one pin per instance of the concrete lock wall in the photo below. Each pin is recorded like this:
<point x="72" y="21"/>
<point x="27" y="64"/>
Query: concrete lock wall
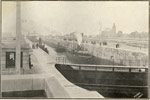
<point x="22" y="83"/>
<point x="51" y="86"/>
<point x="125" y="57"/>
<point x="54" y="89"/>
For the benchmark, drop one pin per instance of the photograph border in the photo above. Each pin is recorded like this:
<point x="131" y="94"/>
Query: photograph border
<point x="80" y="1"/>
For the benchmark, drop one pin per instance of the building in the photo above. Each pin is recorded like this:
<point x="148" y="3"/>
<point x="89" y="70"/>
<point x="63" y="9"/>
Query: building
<point x="114" y="29"/>
<point x="9" y="56"/>
<point x="109" y="32"/>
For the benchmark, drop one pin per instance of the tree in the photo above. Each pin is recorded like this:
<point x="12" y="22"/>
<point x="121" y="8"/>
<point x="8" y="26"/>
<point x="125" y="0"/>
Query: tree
<point x="134" y="34"/>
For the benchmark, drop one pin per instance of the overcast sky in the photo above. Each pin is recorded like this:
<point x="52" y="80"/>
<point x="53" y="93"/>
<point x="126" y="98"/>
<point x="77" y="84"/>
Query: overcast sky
<point x="80" y="16"/>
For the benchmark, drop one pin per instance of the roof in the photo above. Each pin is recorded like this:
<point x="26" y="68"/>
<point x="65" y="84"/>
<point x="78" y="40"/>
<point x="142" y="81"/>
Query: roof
<point x="11" y="43"/>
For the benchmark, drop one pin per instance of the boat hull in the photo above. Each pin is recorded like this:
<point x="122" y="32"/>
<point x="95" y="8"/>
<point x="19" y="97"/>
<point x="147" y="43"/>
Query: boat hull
<point x="55" y="46"/>
<point x="78" y="59"/>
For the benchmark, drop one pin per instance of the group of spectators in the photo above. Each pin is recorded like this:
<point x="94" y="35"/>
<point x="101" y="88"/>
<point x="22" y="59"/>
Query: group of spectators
<point x="35" y="46"/>
<point x="44" y="48"/>
<point x="104" y="44"/>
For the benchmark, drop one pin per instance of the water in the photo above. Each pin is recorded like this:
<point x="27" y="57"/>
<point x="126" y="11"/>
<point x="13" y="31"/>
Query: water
<point x="110" y="84"/>
<point x="25" y="94"/>
<point x="108" y="92"/>
<point x="77" y="60"/>
<point x="53" y="54"/>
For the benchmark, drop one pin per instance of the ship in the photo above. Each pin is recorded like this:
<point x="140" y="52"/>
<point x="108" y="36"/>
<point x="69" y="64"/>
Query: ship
<point x="79" y="55"/>
<point x="110" y="79"/>
<point x="59" y="48"/>
<point x="76" y="53"/>
<point x="55" y="45"/>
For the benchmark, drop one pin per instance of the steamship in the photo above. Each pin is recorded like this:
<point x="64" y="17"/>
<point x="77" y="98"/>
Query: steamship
<point x="108" y="78"/>
<point x="79" y="55"/>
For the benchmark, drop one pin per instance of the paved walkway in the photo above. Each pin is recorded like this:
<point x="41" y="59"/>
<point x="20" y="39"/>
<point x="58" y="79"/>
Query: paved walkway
<point x="47" y="62"/>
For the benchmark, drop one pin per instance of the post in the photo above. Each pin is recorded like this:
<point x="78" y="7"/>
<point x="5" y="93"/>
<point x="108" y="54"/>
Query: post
<point x="112" y="57"/>
<point x="18" y="36"/>
<point x="149" y="61"/>
<point x="113" y="61"/>
<point x="79" y="68"/>
<point x="0" y="42"/>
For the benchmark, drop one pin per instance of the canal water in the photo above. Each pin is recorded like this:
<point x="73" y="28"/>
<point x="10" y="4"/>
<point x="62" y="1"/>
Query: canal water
<point x="55" y="55"/>
<point x="25" y="94"/>
<point x="88" y="77"/>
<point x="85" y="78"/>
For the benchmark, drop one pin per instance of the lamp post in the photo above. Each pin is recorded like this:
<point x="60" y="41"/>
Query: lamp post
<point x="112" y="57"/>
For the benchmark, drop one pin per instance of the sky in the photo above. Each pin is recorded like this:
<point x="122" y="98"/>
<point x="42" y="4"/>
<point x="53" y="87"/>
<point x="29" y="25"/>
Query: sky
<point x="65" y="17"/>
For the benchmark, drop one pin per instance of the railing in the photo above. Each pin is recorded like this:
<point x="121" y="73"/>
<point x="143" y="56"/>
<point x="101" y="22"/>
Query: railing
<point x="61" y="60"/>
<point x="108" y="68"/>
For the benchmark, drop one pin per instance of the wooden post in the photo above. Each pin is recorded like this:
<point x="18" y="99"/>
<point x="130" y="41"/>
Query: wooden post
<point x="18" y="36"/>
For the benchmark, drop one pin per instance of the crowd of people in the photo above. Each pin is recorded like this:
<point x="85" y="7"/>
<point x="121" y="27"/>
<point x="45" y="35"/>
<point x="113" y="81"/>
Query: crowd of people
<point x="35" y="46"/>
<point x="105" y="44"/>
<point x="44" y="48"/>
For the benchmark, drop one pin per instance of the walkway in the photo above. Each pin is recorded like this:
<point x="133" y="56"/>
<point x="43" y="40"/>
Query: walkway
<point x="47" y="62"/>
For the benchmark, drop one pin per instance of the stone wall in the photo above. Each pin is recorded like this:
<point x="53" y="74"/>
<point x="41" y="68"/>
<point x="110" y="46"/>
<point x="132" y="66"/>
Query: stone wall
<point x="22" y="82"/>
<point x="125" y="57"/>
<point x="54" y="89"/>
<point x="51" y="85"/>
<point x="118" y="55"/>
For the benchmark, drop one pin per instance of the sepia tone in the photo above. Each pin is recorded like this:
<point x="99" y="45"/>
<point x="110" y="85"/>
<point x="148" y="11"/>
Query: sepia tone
<point x="74" y="49"/>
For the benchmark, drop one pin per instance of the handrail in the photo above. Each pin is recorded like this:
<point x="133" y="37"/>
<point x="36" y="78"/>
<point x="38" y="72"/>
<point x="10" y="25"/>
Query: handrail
<point x="106" y="66"/>
<point x="131" y="86"/>
<point x="61" y="59"/>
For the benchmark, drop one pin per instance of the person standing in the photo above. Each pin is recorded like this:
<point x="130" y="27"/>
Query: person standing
<point x="30" y="65"/>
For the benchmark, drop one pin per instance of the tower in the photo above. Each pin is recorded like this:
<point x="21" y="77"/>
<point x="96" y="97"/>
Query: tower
<point x="114" y="29"/>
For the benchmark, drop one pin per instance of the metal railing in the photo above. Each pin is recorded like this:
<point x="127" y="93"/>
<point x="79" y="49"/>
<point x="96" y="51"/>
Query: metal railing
<point x="108" y="68"/>
<point x="61" y="60"/>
